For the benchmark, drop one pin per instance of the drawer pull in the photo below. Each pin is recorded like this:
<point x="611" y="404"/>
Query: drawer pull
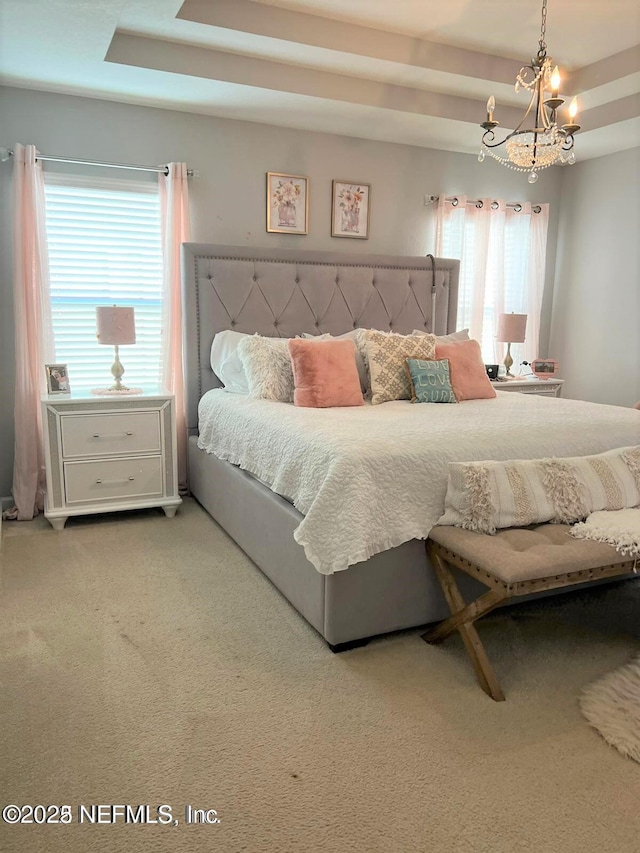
<point x="113" y="482"/>
<point x="112" y="435"/>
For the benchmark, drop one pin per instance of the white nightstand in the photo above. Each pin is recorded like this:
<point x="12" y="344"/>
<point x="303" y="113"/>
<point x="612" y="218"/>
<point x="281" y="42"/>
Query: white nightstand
<point x="541" y="387"/>
<point x="110" y="453"/>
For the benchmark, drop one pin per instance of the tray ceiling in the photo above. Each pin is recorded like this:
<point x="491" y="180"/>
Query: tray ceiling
<point x="410" y="71"/>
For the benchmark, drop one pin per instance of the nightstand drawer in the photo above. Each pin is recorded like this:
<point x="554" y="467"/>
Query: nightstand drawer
<point x="96" y="481"/>
<point x="110" y="434"/>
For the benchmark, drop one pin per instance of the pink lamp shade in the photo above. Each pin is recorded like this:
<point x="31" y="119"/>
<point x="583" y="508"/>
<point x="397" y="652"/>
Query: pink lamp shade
<point x="116" y="325"/>
<point x="511" y="328"/>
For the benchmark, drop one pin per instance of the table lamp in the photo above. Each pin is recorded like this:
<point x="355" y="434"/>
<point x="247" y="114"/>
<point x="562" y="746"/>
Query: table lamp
<point x="511" y="330"/>
<point x="116" y="326"/>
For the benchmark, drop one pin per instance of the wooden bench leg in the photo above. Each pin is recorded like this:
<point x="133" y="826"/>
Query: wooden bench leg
<point x="462" y="620"/>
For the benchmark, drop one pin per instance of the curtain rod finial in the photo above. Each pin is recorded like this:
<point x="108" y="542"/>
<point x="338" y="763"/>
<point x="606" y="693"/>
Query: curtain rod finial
<point x="5" y="153"/>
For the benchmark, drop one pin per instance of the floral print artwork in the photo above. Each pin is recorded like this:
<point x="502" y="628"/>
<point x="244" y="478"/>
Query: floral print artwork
<point x="285" y="197"/>
<point x="350" y="210"/>
<point x="287" y="203"/>
<point x="350" y="199"/>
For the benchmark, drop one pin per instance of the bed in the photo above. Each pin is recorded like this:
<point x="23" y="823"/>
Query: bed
<point x="278" y="292"/>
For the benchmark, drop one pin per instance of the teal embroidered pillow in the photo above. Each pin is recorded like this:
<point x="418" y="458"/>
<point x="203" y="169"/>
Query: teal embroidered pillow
<point x="430" y="381"/>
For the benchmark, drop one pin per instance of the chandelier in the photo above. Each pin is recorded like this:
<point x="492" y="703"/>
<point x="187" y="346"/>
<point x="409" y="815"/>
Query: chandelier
<point x="530" y="149"/>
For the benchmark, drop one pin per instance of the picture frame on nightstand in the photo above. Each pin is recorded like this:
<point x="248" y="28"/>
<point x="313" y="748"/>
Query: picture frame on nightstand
<point x="544" y="368"/>
<point x="57" y="379"/>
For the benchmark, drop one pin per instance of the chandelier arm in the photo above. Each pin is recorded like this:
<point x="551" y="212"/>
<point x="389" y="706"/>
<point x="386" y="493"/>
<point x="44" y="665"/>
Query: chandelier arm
<point x="515" y="132"/>
<point x="524" y="117"/>
<point x="487" y="139"/>
<point x="540" y="116"/>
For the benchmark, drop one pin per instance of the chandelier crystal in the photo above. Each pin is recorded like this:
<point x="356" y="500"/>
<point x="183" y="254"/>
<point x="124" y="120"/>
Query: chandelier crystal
<point x="530" y="149"/>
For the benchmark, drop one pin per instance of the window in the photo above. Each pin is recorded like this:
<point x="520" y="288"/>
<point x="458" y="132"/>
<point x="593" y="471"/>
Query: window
<point x="502" y="263"/>
<point x="104" y="242"/>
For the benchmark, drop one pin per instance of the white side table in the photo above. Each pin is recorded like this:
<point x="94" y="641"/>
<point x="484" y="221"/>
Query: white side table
<point x="541" y="387"/>
<point x="109" y="453"/>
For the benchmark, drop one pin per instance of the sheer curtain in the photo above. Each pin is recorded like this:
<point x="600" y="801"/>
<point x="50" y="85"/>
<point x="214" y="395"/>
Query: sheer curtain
<point x="176" y="229"/>
<point x="502" y="251"/>
<point x="33" y="332"/>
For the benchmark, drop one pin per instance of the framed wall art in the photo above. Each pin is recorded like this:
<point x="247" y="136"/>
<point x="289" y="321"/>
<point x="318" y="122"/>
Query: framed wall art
<point x="287" y="203"/>
<point x="350" y="209"/>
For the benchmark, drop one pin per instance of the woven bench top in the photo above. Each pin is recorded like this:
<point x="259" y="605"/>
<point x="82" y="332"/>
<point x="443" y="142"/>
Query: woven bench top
<point x="520" y="554"/>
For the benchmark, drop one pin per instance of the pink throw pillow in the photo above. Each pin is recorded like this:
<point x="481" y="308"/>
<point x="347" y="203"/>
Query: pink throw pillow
<point x="468" y="376"/>
<point x="325" y="373"/>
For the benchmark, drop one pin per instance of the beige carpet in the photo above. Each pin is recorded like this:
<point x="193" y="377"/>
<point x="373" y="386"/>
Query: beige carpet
<point x="144" y="660"/>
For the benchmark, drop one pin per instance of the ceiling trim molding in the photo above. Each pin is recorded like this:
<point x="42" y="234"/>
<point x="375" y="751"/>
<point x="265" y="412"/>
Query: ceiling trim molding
<point x="176" y="58"/>
<point x="330" y="34"/>
<point x="613" y="112"/>
<point x="607" y="70"/>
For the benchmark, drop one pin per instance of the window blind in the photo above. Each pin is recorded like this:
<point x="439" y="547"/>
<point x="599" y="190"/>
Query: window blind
<point x="104" y="249"/>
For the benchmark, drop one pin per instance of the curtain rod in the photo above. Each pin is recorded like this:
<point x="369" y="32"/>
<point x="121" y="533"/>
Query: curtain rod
<point x="5" y="153"/>
<point x="478" y="202"/>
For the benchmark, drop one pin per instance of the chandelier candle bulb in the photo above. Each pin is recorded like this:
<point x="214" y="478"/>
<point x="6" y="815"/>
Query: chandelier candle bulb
<point x="572" y="127"/>
<point x="491" y="105"/>
<point x="555" y="82"/>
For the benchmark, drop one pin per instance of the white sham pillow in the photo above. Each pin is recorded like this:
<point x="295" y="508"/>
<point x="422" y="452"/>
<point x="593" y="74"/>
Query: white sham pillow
<point x="226" y="363"/>
<point x="462" y="335"/>
<point x="267" y="366"/>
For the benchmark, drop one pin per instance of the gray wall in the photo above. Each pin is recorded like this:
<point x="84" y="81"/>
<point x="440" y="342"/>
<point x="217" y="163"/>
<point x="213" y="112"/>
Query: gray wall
<point x="595" y="332"/>
<point x="228" y="199"/>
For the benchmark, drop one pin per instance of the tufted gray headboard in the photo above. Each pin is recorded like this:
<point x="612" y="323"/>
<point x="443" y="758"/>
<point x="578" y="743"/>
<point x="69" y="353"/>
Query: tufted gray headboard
<point x="284" y="292"/>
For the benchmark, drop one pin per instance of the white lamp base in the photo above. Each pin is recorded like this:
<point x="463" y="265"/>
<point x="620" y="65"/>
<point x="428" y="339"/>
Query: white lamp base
<point x="117" y="371"/>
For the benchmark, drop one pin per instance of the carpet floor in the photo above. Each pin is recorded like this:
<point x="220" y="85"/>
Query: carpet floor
<point x="144" y="660"/>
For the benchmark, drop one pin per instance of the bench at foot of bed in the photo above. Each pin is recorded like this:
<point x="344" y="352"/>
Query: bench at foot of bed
<point x="514" y="562"/>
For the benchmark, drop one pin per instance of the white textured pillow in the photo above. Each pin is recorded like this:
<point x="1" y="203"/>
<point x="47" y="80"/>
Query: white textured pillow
<point x="462" y="335"/>
<point x="361" y="364"/>
<point x="387" y="353"/>
<point x="267" y="365"/>
<point x="485" y="496"/>
<point x="226" y="363"/>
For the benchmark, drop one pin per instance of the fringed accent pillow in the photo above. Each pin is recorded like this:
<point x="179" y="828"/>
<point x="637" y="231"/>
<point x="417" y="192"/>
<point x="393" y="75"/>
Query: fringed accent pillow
<point x="486" y="496"/>
<point x="267" y="365"/>
<point x="387" y="353"/>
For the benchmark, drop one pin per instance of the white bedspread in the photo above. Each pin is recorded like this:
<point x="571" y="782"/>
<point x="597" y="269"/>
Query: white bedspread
<point x="369" y="478"/>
